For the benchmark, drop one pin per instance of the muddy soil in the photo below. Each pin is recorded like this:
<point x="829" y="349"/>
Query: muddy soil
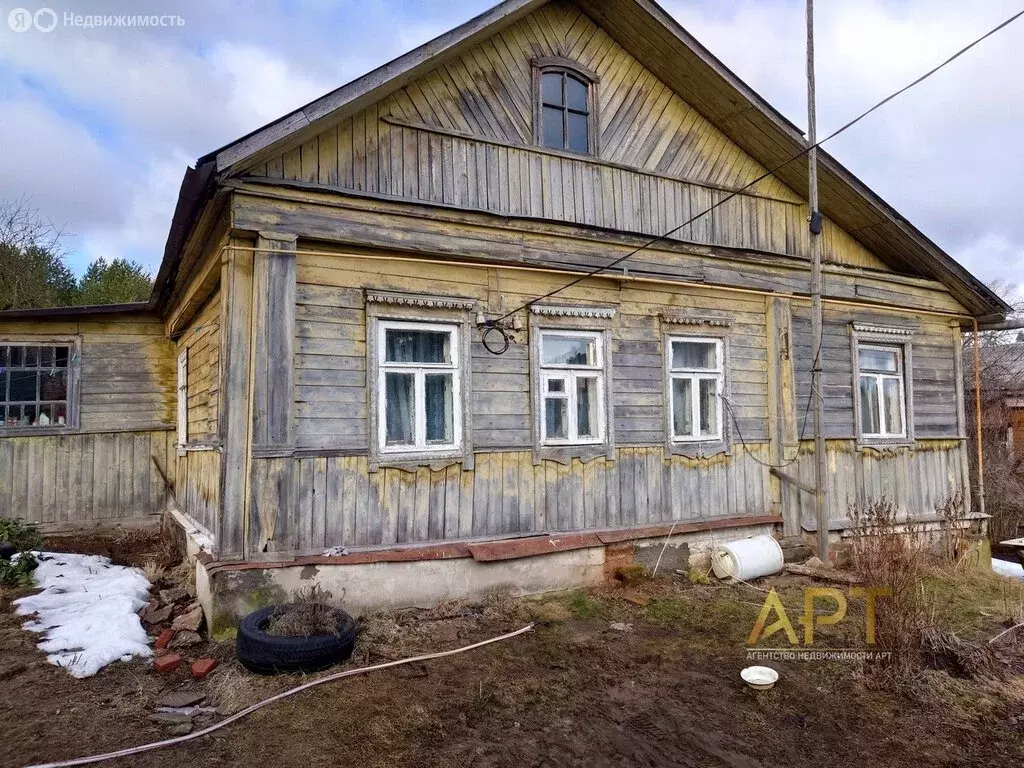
<point x="574" y="692"/>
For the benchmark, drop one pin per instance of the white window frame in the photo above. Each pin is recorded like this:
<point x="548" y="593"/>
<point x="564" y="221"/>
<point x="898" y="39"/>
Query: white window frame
<point x="696" y="375"/>
<point x="570" y="373"/>
<point x="879" y="377"/>
<point x="183" y="397"/>
<point x="419" y="371"/>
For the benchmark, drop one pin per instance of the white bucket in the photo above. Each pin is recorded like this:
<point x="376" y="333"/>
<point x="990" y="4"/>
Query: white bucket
<point x="747" y="559"/>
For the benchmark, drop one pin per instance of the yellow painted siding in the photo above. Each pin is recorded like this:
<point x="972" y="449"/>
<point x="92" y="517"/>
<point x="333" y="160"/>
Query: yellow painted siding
<point x="202" y="340"/>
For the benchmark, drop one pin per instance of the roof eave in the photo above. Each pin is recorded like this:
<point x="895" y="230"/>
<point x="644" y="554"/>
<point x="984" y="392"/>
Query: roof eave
<point x="45" y="313"/>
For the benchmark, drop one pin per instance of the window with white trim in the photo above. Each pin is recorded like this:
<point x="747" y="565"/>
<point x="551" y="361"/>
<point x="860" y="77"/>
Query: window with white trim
<point x="183" y="397"/>
<point x="419" y="387"/>
<point x="572" y="387"/>
<point x="696" y="376"/>
<point x="882" y="391"/>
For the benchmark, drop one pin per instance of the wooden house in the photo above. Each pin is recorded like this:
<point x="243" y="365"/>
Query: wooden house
<point x="311" y="374"/>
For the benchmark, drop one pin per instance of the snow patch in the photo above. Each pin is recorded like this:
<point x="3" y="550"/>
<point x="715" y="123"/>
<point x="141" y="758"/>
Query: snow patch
<point x="87" y="612"/>
<point x="1004" y="568"/>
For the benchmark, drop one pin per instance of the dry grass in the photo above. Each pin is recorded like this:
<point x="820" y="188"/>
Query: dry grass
<point x="153" y="571"/>
<point x="311" y="615"/>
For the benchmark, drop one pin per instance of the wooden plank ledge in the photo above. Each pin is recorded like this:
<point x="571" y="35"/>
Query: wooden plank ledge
<point x="498" y="550"/>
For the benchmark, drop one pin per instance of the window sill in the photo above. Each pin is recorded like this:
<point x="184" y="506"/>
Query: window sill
<point x="564" y="454"/>
<point x="412" y="461"/>
<point x="698" y="449"/>
<point x="37" y="431"/>
<point x="884" y="444"/>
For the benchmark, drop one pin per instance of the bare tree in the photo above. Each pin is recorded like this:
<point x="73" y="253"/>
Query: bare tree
<point x="32" y="268"/>
<point x="1001" y="383"/>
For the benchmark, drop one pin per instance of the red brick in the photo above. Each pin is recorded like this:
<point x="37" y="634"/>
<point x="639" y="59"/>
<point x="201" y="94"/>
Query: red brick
<point x="165" y="638"/>
<point x="203" y="667"/>
<point x="167" y="663"/>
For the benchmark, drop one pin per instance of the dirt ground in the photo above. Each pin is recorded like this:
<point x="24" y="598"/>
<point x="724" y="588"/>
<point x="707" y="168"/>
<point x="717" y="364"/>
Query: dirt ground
<point x="573" y="692"/>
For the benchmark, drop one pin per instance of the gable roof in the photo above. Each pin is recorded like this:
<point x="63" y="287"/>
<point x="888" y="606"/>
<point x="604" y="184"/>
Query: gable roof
<point x="659" y="43"/>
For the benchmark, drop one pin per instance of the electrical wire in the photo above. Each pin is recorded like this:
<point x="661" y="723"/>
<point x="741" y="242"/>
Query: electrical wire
<point x="653" y="241"/>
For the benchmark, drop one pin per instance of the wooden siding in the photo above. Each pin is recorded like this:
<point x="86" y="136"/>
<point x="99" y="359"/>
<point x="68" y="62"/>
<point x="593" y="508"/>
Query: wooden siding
<point x="933" y="383"/>
<point x="197" y="486"/>
<point x="918" y="480"/>
<point x="127" y="375"/>
<point x="331" y="390"/>
<point x="202" y="340"/>
<point x="338" y="502"/>
<point x="82" y="480"/>
<point x="461" y="136"/>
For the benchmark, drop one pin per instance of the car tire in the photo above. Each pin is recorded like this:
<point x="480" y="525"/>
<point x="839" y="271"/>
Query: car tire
<point x="269" y="654"/>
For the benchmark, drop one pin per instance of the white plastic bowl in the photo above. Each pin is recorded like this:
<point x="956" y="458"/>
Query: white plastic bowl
<point x="760" y="678"/>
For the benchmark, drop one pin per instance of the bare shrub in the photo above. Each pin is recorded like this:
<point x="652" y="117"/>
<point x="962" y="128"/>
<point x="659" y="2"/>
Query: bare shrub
<point x="955" y="540"/>
<point x="310" y="615"/>
<point x="893" y="555"/>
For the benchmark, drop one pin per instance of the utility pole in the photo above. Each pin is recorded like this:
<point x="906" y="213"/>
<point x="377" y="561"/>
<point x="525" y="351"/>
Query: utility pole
<point x="817" y="320"/>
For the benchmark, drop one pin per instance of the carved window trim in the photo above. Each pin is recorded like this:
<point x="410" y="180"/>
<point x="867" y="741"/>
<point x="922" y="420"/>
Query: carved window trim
<point x="572" y="319"/>
<point x="555" y="64"/>
<point x="893" y="337"/>
<point x="426" y="309"/>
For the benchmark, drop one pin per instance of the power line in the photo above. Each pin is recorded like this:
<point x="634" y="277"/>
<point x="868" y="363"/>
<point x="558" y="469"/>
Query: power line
<point x="759" y="179"/>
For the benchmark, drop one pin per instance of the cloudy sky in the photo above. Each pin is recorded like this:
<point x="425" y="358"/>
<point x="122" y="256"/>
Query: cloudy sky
<point x="99" y="124"/>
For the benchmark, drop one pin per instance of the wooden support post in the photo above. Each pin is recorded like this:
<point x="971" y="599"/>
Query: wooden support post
<point x="272" y="524"/>
<point x="235" y="398"/>
<point x="817" y="320"/>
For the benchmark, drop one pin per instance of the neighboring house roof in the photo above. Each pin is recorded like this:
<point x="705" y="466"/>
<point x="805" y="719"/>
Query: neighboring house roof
<point x="658" y="42"/>
<point x="1002" y="367"/>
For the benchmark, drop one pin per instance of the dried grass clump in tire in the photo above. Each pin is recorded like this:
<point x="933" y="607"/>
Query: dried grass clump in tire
<point x="311" y="615"/>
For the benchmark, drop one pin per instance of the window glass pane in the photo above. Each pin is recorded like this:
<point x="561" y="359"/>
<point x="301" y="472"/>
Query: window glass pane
<point x="53" y="387"/>
<point x="568" y="350"/>
<point x="551" y="88"/>
<point x="23" y="385"/>
<point x="870" y="424"/>
<point x="398" y="408"/>
<point x="694" y="354"/>
<point x="17" y="356"/>
<point x="439" y="402"/>
<point x="31" y="356"/>
<point x="411" y="346"/>
<point x="28" y="415"/>
<point x="682" y="407"/>
<point x="586" y="407"/>
<point x="879" y="360"/>
<point x="62" y="356"/>
<point x="3" y="386"/>
<point x="5" y="359"/>
<point x="60" y="413"/>
<point x="893" y="406"/>
<point x="708" y="404"/>
<point x="575" y="94"/>
<point x="556" y="411"/>
<point x="579" y="140"/>
<point x="552" y="134"/>
<point x="556" y="385"/>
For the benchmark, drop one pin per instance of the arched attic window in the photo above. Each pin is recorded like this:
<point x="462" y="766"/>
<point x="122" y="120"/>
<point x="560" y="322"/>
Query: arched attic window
<point x="565" y="106"/>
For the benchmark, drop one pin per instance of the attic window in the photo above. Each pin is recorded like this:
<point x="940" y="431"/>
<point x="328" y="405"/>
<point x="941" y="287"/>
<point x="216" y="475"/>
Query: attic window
<point x="565" y="106"/>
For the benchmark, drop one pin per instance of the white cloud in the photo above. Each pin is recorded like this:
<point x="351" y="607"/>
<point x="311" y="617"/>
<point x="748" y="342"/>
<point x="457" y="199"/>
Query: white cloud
<point x="105" y="121"/>
<point x="146" y="219"/>
<point x="945" y="153"/>
<point x="58" y="166"/>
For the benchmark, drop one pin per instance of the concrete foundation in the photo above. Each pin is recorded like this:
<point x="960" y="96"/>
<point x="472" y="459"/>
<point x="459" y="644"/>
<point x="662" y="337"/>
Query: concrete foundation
<point x="230" y="591"/>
